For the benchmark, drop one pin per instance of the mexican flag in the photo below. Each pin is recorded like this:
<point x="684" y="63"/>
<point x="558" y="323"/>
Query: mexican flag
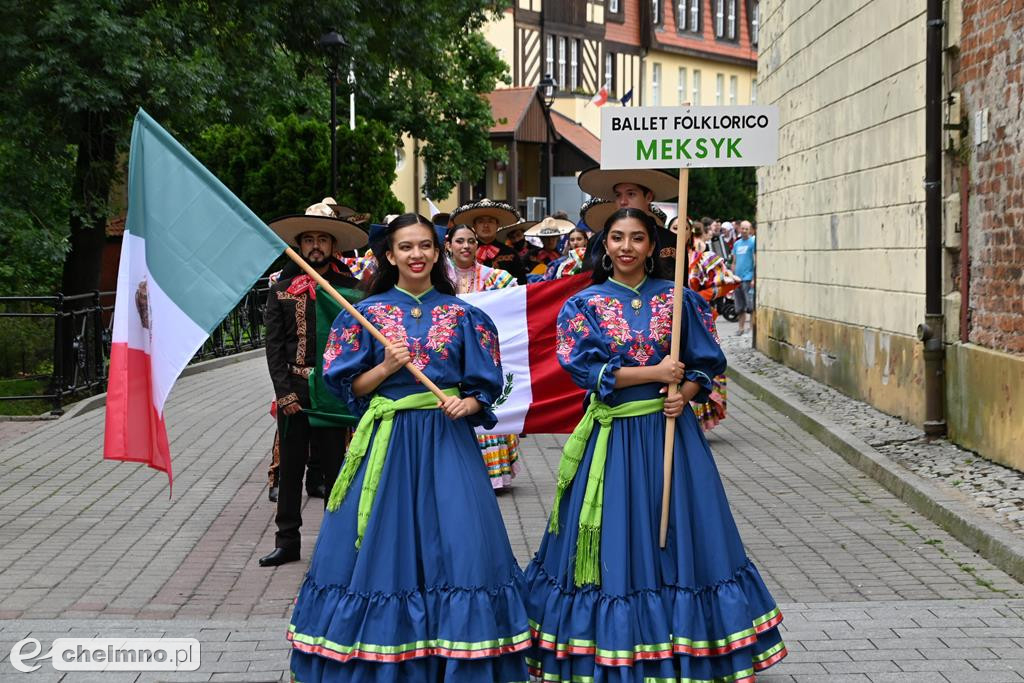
<point x="539" y="396"/>
<point x="191" y="251"/>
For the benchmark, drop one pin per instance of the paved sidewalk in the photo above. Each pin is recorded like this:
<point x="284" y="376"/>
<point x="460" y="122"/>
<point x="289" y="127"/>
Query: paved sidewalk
<point x="871" y="590"/>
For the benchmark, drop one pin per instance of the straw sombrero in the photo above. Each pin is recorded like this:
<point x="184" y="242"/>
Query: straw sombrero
<point x="599" y="182"/>
<point x="596" y="211"/>
<point x="502" y="212"/>
<point x="503" y="232"/>
<point x="551" y="227"/>
<point x="319" y="218"/>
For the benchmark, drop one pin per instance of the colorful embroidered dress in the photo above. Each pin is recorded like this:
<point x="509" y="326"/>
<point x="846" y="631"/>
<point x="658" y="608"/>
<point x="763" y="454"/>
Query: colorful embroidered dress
<point x="710" y="278"/>
<point x="605" y="602"/>
<point x="432" y="586"/>
<point x="570" y="264"/>
<point x="500" y="451"/>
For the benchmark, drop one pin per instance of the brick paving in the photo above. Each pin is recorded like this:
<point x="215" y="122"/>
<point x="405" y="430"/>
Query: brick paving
<point x="871" y="590"/>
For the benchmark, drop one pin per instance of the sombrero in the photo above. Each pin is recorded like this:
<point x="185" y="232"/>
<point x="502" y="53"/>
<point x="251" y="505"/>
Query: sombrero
<point x="596" y="211"/>
<point x="503" y="232"/>
<point x="340" y="210"/>
<point x="599" y="182"/>
<point x="504" y="213"/>
<point x="319" y="218"/>
<point x="551" y="227"/>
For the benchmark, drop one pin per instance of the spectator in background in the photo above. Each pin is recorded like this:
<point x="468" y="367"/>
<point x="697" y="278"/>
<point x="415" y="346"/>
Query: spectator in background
<point x="743" y="265"/>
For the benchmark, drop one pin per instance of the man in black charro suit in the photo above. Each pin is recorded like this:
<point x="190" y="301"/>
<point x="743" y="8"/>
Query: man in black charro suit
<point x="292" y="353"/>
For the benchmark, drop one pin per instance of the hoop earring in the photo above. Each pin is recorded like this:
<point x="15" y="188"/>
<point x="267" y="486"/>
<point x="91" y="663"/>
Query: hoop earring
<point x="607" y="266"/>
<point x="649" y="265"/>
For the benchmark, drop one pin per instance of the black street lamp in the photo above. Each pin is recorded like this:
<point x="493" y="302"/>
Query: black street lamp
<point x="332" y="43"/>
<point x="548" y="88"/>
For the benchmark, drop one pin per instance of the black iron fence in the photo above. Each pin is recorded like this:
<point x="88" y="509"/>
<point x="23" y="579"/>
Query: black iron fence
<point x="55" y="349"/>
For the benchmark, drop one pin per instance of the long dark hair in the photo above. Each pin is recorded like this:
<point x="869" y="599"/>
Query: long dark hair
<point x="387" y="273"/>
<point x="600" y="248"/>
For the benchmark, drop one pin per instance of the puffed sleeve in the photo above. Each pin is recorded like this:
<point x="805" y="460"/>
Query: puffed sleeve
<point x="348" y="354"/>
<point x="701" y="351"/>
<point x="583" y="350"/>
<point x="481" y="365"/>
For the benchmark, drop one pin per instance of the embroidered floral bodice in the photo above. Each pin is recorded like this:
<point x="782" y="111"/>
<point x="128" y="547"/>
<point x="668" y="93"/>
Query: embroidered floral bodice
<point x="610" y="325"/>
<point x="453" y="343"/>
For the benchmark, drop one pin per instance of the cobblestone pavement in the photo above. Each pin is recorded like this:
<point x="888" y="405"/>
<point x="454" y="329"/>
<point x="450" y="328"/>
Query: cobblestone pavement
<point x="871" y="590"/>
<point x="990" y="488"/>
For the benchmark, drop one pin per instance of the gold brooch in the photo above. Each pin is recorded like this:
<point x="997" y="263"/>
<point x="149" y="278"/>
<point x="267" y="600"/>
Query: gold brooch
<point x="416" y="312"/>
<point x="636" y="304"/>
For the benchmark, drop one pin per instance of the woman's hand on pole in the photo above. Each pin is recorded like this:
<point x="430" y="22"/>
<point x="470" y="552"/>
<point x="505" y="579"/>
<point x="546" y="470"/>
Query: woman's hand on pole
<point x="669" y="371"/>
<point x="455" y="407"/>
<point x="396" y="355"/>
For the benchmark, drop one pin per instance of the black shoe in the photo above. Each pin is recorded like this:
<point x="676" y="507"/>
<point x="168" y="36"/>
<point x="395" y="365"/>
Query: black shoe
<point x="280" y="556"/>
<point x="272" y="493"/>
<point x="317" y="491"/>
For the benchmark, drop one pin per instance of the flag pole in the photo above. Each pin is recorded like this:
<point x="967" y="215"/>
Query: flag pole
<point x="319" y="279"/>
<point x="681" y="283"/>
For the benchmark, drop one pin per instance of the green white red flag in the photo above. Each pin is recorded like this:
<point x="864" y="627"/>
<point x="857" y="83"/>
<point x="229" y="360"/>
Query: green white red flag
<point x="191" y="251"/>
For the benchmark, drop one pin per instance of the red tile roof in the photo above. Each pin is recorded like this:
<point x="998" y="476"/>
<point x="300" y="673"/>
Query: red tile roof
<point x="508" y="106"/>
<point x="576" y="135"/>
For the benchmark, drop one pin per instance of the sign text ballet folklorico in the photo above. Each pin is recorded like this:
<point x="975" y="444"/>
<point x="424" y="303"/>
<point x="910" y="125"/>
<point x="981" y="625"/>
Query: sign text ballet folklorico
<point x="689" y="137"/>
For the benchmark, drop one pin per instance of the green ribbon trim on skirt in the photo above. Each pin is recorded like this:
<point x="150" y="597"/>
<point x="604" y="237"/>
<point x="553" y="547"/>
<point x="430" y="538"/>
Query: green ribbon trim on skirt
<point x="381" y="409"/>
<point x="588" y="543"/>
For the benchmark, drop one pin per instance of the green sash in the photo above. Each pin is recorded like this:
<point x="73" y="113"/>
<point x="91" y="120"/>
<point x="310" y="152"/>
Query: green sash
<point x="588" y="543"/>
<point x="383" y="410"/>
<point x="324" y="409"/>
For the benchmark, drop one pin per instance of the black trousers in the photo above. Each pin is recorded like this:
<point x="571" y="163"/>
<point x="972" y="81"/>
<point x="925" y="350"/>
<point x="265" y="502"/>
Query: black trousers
<point x="299" y="441"/>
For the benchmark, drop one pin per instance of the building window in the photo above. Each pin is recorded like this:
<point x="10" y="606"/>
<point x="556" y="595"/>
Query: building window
<point x="549" y="55"/>
<point x="574" y="65"/>
<point x="753" y="91"/>
<point x="656" y="84"/>
<point x="560" y="76"/>
<point x="681" y="15"/>
<point x="719" y="89"/>
<point x="731" y="20"/>
<point x="733" y="87"/>
<point x="696" y="88"/>
<point x="681" y="85"/>
<point x="613" y="6"/>
<point x="656" y="12"/>
<point x="719" y="18"/>
<point x="755" y="21"/>
<point x="694" y="25"/>
<point x="609" y="71"/>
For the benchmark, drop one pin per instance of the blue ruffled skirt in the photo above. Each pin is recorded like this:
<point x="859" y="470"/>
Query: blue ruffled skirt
<point x="696" y="610"/>
<point x="434" y="592"/>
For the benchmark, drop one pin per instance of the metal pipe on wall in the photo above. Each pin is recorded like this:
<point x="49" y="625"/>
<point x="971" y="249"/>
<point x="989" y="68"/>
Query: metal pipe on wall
<point x="931" y="332"/>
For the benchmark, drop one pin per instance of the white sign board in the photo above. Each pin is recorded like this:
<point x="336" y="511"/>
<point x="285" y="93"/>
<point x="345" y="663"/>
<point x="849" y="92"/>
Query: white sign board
<point x="694" y="137"/>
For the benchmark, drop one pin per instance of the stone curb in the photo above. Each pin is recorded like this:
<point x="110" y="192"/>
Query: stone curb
<point x="999" y="546"/>
<point x="99" y="400"/>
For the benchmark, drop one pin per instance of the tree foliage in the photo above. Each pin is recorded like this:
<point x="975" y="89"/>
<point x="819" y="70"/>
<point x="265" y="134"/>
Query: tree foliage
<point x="283" y="165"/>
<point x="726" y="193"/>
<point x="76" y="72"/>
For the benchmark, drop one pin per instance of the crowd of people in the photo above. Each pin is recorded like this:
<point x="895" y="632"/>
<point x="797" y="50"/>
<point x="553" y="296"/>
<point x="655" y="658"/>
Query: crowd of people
<point x="412" y="577"/>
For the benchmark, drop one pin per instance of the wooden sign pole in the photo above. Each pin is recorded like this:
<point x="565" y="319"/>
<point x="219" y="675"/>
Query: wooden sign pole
<point x="681" y="277"/>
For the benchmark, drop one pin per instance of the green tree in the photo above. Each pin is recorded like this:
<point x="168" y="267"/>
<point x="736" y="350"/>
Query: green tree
<point x="80" y="69"/>
<point x="282" y="165"/>
<point x="724" y="193"/>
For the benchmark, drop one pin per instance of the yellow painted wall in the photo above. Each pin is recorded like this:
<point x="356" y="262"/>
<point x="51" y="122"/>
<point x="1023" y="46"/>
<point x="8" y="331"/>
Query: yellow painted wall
<point x="670" y="64"/>
<point x="840" y="241"/>
<point x="501" y="33"/>
<point x="985" y="402"/>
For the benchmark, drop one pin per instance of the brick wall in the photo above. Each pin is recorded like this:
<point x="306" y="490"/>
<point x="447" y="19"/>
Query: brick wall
<point x="991" y="60"/>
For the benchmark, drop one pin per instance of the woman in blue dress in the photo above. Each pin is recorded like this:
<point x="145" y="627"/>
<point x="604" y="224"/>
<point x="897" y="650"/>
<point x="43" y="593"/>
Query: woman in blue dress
<point x="606" y="603"/>
<point x="412" y="578"/>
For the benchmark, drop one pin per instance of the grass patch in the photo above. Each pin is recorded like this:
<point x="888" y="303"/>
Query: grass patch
<point x="24" y="387"/>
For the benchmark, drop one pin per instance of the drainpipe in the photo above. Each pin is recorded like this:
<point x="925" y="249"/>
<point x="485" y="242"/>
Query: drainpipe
<point x="931" y="332"/>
